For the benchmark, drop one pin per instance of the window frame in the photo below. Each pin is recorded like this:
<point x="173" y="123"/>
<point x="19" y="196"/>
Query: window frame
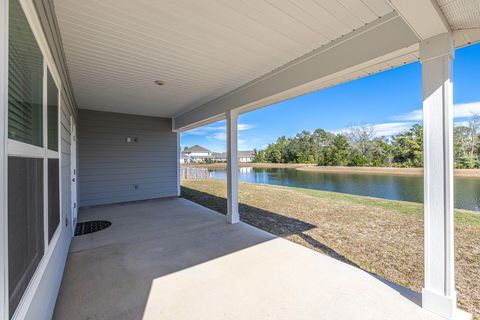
<point x="3" y="158"/>
<point x="50" y="154"/>
<point x="20" y="149"/>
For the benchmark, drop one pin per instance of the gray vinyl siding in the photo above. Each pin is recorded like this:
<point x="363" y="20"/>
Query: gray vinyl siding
<point x="46" y="13"/>
<point x="44" y="298"/>
<point x="65" y="142"/>
<point x="109" y="167"/>
<point x="68" y="108"/>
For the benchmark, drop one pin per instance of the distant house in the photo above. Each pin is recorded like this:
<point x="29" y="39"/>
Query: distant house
<point x="195" y="154"/>
<point x="198" y="153"/>
<point x="246" y="156"/>
<point x="219" y="156"/>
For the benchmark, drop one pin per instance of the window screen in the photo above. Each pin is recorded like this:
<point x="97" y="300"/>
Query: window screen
<point x="53" y="199"/>
<point x="25" y="224"/>
<point x="25" y="72"/>
<point x="52" y="113"/>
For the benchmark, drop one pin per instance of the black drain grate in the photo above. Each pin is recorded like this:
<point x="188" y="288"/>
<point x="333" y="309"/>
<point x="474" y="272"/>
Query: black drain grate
<point x="91" y="226"/>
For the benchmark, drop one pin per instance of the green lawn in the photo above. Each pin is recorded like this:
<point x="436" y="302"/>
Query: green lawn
<point x="461" y="216"/>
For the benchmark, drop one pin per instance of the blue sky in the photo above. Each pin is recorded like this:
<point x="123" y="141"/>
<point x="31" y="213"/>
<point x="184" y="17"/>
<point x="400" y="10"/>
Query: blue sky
<point x="389" y="101"/>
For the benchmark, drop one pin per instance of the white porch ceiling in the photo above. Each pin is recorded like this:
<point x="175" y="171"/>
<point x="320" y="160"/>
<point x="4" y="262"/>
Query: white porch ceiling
<point x="116" y="49"/>
<point x="461" y="14"/>
<point x="210" y="52"/>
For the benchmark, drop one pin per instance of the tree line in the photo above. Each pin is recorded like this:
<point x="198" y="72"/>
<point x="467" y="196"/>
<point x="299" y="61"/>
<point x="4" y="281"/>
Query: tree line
<point x="361" y="146"/>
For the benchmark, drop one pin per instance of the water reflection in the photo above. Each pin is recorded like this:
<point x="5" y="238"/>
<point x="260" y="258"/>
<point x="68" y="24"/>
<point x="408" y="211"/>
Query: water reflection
<point x="407" y="188"/>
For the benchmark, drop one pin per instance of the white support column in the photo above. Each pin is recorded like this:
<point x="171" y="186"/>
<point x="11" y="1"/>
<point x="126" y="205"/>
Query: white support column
<point x="179" y="191"/>
<point x="232" y="167"/>
<point x="438" y="294"/>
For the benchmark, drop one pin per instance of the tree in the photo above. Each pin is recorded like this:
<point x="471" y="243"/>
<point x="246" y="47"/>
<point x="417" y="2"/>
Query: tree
<point x="408" y="147"/>
<point x="259" y="156"/>
<point x="360" y="147"/>
<point x="361" y="137"/>
<point x="322" y="141"/>
<point x="461" y="141"/>
<point x="302" y="148"/>
<point x="356" y="159"/>
<point x="340" y="148"/>
<point x="381" y="152"/>
<point x="466" y="144"/>
<point x="473" y="125"/>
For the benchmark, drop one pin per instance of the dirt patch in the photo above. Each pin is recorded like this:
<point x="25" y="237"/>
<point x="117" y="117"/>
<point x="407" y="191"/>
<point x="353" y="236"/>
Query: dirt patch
<point x="383" y="239"/>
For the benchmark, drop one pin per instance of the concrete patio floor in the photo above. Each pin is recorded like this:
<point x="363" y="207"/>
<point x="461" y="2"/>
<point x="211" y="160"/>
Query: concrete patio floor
<point x="174" y="259"/>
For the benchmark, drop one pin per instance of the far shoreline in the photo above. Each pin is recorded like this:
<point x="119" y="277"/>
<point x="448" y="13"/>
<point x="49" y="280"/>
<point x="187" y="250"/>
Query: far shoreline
<point x="466" y="173"/>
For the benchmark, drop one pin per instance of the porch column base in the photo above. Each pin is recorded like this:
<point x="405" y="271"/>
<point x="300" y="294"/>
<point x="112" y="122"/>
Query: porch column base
<point x="444" y="306"/>
<point x="440" y="304"/>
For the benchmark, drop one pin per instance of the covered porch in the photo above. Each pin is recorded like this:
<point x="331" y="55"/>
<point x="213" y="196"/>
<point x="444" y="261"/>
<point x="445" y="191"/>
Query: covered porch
<point x="131" y="76"/>
<point x="174" y="259"/>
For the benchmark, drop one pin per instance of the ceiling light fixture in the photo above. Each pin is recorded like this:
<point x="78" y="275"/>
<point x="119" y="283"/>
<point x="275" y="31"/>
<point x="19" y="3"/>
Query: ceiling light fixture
<point x="160" y="83"/>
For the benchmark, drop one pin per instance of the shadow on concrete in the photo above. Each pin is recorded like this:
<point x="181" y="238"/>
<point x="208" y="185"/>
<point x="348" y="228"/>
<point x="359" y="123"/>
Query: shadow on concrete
<point x="109" y="274"/>
<point x="272" y="222"/>
<point x="283" y="226"/>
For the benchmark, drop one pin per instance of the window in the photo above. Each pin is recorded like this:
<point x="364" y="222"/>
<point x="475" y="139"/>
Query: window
<point x="25" y="224"/>
<point x="53" y="198"/>
<point x="33" y="156"/>
<point x="25" y="74"/>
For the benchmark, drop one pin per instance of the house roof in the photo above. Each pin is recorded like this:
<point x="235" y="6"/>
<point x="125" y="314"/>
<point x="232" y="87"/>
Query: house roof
<point x="196" y="148"/>
<point x="219" y="154"/>
<point x="245" y="154"/>
<point x="241" y="154"/>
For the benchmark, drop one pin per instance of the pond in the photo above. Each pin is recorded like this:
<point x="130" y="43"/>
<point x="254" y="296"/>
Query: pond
<point x="393" y="187"/>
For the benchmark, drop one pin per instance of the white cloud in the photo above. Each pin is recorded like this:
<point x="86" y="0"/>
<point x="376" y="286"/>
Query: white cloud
<point x="216" y="132"/>
<point x="389" y="129"/>
<point x="222" y="136"/>
<point x="465" y="110"/>
<point x="251" y="143"/>
<point x="462" y="110"/>
<point x="244" y="126"/>
<point x="201" y="131"/>
<point x="415" y="115"/>
<point x="465" y="123"/>
<point x="385" y="129"/>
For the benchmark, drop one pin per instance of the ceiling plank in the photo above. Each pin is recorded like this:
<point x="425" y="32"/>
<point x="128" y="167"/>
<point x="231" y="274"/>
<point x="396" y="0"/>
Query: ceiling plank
<point x="354" y="51"/>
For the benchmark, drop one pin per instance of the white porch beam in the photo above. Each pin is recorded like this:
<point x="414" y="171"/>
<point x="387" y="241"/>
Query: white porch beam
<point x="438" y="294"/>
<point x="382" y="40"/>
<point x="232" y="167"/>
<point x="423" y="16"/>
<point x="466" y="37"/>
